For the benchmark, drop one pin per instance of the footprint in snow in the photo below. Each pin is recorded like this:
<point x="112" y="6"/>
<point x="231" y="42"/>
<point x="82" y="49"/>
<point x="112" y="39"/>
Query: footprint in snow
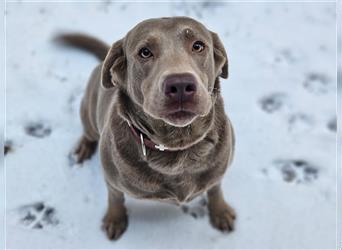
<point x="37" y="216"/>
<point x="332" y="124"/>
<point x="293" y="171"/>
<point x="8" y="147"/>
<point x="285" y="56"/>
<point x="317" y="83"/>
<point x="300" y="122"/>
<point x="38" y="129"/>
<point x="273" y="102"/>
<point x="196" y="209"/>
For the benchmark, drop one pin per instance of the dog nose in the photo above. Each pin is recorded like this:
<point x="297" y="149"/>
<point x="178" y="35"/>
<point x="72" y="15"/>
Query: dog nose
<point x="180" y="87"/>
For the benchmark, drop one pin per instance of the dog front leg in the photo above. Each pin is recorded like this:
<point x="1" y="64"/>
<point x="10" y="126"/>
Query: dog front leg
<point x="222" y="216"/>
<point x="116" y="220"/>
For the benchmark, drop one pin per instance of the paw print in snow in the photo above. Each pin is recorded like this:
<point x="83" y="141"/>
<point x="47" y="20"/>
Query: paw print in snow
<point x="37" y="129"/>
<point x="317" y="83"/>
<point x="332" y="124"/>
<point x="37" y="216"/>
<point x="300" y="122"/>
<point x="8" y="147"/>
<point x="196" y="209"/>
<point x="273" y="102"/>
<point x="293" y="171"/>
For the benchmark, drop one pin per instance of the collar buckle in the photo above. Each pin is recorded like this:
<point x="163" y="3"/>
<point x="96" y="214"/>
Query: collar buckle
<point x="145" y="142"/>
<point x="161" y="147"/>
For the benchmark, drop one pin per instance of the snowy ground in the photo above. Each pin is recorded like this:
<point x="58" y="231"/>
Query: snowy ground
<point x="280" y="97"/>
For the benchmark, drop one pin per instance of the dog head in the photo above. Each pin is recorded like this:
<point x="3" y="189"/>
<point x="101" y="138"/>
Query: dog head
<point x="168" y="66"/>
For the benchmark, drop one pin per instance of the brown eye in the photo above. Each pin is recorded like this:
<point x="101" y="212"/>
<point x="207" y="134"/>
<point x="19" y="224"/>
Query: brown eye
<point x="145" y="53"/>
<point x="198" y="46"/>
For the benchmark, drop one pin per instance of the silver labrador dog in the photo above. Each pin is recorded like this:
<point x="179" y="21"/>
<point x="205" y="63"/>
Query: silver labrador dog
<point x="154" y="107"/>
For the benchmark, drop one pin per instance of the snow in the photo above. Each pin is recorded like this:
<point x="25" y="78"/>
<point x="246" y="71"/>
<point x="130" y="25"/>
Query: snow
<point x="280" y="97"/>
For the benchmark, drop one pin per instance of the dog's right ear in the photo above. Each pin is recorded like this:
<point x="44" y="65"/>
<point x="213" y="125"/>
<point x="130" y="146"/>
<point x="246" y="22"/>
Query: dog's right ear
<point x="113" y="70"/>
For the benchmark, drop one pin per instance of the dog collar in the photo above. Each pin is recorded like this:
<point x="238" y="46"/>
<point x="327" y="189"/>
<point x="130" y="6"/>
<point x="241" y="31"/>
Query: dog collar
<point x="144" y="141"/>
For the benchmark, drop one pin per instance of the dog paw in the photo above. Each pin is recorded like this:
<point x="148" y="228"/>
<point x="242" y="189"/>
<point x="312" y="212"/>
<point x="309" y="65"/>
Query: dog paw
<point x="114" y="225"/>
<point x="272" y="102"/>
<point x="85" y="149"/>
<point x="37" y="129"/>
<point x="38" y="216"/>
<point x="222" y="217"/>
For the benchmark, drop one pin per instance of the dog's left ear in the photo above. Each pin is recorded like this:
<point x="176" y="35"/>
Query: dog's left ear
<point x="220" y="57"/>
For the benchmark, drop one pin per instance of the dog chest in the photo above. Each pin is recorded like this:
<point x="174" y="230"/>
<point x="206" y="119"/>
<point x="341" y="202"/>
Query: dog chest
<point x="177" y="189"/>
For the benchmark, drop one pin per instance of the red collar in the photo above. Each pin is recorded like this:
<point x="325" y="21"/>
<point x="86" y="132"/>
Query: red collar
<point x="144" y="141"/>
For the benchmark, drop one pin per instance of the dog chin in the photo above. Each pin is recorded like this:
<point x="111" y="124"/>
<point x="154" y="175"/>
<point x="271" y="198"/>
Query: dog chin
<point x="180" y="118"/>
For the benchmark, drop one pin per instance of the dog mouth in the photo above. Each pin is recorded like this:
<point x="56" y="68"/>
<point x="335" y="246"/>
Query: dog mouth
<point x="180" y="118"/>
<point x="181" y="115"/>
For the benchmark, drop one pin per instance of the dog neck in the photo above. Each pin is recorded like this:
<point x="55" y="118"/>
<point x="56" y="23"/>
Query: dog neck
<point x="144" y="141"/>
<point x="159" y="132"/>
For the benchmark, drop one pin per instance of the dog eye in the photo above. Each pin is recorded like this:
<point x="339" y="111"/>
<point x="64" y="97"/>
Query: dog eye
<point x="198" y="46"/>
<point x="145" y="53"/>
